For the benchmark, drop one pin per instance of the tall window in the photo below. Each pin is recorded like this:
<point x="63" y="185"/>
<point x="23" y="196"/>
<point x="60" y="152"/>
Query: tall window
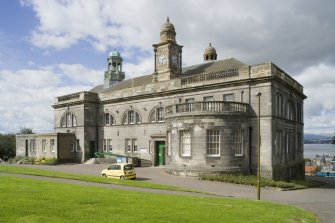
<point x="52" y="145"/>
<point x="213" y="142"/>
<point x="208" y="105"/>
<point x="33" y="145"/>
<point x="160" y="114"/>
<point x="107" y="120"/>
<point x="44" y="142"/>
<point x="68" y="120"/>
<point x="239" y="135"/>
<point x="299" y="142"/>
<point x="279" y="142"/>
<point x="131" y="117"/>
<point x="157" y="115"/>
<point x="185" y="140"/>
<point x="279" y="105"/>
<point x="299" y="112"/>
<point x="189" y="104"/>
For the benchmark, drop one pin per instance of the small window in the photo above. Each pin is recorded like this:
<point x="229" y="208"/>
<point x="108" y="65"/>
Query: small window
<point x="52" y="145"/>
<point x="33" y="145"/>
<point x="128" y="145"/>
<point x="134" y="145"/>
<point x="228" y="97"/>
<point x="44" y="142"/>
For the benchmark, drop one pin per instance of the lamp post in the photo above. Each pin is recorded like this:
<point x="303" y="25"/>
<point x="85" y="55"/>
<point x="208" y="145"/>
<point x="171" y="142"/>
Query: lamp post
<point x="259" y="148"/>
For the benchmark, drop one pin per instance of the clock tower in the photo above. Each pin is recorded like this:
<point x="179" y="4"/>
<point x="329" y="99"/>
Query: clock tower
<point x="168" y="54"/>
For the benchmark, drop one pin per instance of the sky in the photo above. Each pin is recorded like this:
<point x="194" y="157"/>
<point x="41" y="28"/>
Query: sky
<point x="50" y="48"/>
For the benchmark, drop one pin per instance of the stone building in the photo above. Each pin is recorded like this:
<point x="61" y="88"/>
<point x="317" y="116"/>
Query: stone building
<point x="201" y="118"/>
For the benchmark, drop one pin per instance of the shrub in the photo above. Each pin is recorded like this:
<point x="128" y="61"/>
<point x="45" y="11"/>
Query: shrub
<point x="252" y="180"/>
<point x="45" y="161"/>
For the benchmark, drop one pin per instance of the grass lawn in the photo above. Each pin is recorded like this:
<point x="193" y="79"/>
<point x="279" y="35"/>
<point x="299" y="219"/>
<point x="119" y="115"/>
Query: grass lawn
<point x="87" y="178"/>
<point x="30" y="200"/>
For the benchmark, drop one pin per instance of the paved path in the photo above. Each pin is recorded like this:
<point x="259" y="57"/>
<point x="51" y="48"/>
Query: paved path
<point x="320" y="200"/>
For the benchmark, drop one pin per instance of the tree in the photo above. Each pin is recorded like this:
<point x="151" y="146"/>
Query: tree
<point x="24" y="130"/>
<point x="7" y="145"/>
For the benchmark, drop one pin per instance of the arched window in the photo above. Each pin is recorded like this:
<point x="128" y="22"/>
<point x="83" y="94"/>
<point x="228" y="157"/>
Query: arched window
<point x="131" y="117"/>
<point x="68" y="120"/>
<point x="157" y="115"/>
<point x="109" y="119"/>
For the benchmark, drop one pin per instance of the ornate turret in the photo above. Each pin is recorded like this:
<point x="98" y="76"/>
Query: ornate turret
<point x="210" y="53"/>
<point x="168" y="54"/>
<point x="114" y="73"/>
<point x="168" y="32"/>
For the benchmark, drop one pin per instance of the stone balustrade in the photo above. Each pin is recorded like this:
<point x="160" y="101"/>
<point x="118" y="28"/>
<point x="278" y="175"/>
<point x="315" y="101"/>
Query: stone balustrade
<point x="207" y="106"/>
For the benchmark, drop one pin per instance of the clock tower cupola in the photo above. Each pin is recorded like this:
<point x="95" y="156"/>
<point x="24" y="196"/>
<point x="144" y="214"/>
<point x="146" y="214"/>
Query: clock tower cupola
<point x="168" y="54"/>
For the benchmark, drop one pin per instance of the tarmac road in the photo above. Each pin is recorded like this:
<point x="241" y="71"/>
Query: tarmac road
<point x="319" y="200"/>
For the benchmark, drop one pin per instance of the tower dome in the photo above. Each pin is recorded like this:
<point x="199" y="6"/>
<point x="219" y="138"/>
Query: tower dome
<point x="114" y="53"/>
<point x="210" y="53"/>
<point x="168" y="31"/>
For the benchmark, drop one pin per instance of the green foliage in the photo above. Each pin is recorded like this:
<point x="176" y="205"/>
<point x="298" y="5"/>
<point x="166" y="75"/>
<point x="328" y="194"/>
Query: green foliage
<point x="252" y="180"/>
<point x="24" y="130"/>
<point x="45" y="161"/>
<point x="7" y="145"/>
<point x="31" y="200"/>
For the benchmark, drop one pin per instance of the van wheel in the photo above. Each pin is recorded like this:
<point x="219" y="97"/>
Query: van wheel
<point x="104" y="175"/>
<point x="122" y="178"/>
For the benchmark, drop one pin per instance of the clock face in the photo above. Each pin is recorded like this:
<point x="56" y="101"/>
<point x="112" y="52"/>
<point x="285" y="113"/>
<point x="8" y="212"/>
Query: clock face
<point x="162" y="59"/>
<point x="174" y="59"/>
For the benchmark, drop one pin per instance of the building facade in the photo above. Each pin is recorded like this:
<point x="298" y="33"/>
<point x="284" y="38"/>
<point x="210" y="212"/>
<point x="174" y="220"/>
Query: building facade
<point x="193" y="120"/>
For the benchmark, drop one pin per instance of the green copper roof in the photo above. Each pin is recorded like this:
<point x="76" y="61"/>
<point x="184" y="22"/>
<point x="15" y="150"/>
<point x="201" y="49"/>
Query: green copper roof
<point x="114" y="53"/>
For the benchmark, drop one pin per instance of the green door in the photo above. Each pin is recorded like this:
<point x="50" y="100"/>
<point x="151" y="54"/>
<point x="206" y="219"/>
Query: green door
<point x="92" y="149"/>
<point x="160" y="153"/>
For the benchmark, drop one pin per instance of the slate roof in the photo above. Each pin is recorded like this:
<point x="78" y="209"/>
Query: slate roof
<point x="207" y="67"/>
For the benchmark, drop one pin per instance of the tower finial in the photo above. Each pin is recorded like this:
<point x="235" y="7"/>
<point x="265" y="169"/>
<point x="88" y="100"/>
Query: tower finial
<point x="167" y="19"/>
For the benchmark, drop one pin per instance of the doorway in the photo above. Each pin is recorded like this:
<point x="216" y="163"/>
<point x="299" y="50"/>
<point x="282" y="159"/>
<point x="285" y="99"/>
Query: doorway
<point x="159" y="153"/>
<point x="92" y="149"/>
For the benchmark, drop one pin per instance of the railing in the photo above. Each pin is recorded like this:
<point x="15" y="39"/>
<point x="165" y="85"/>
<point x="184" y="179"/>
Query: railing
<point x="204" y="77"/>
<point x="211" y="106"/>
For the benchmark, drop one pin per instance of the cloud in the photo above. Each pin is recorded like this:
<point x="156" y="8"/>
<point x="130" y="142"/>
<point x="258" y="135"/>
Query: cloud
<point x="296" y="35"/>
<point x="292" y="34"/>
<point x="319" y="85"/>
<point x="27" y="94"/>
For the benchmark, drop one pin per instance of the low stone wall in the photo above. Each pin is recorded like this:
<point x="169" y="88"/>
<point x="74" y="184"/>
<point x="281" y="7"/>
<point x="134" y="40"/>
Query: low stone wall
<point x="199" y="172"/>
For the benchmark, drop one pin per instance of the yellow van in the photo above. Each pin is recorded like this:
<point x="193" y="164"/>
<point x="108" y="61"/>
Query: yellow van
<point x="120" y="171"/>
